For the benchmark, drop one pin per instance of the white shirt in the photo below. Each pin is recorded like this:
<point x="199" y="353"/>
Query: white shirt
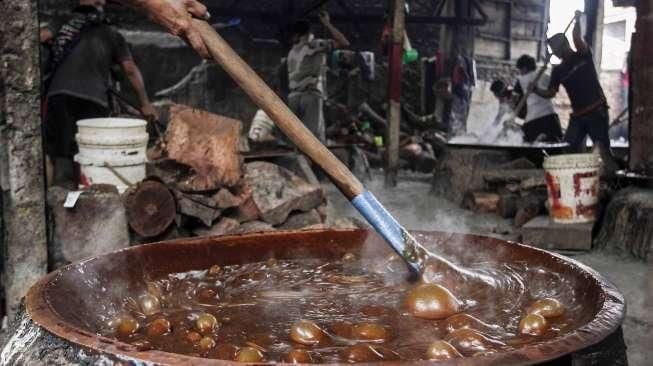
<point x="537" y="106"/>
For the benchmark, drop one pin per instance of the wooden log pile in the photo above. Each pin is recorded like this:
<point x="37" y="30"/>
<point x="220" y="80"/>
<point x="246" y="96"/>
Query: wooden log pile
<point x="199" y="185"/>
<point x="513" y="190"/>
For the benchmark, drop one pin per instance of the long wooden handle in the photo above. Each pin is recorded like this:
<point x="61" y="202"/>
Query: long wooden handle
<point x="283" y="117"/>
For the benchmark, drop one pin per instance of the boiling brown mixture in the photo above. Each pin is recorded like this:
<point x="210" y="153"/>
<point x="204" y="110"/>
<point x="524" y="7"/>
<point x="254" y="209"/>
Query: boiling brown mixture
<point x="344" y="311"/>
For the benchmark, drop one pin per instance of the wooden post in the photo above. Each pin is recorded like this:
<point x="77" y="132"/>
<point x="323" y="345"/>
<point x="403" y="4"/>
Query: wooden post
<point x="25" y="243"/>
<point x="394" y="93"/>
<point x="641" y="128"/>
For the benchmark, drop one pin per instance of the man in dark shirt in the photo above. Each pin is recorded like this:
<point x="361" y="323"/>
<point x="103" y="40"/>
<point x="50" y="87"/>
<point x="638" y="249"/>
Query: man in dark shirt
<point x="578" y="75"/>
<point x="79" y="85"/>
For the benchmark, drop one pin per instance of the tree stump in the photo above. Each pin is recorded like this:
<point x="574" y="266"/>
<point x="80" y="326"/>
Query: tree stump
<point x="96" y="225"/>
<point x="628" y="224"/>
<point x="151" y="208"/>
<point x="482" y="201"/>
<point x="461" y="170"/>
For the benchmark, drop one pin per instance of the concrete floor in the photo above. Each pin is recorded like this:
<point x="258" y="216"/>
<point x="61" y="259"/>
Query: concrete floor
<point x="418" y="209"/>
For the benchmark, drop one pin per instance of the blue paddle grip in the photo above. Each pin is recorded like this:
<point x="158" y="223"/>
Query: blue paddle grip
<point x="381" y="220"/>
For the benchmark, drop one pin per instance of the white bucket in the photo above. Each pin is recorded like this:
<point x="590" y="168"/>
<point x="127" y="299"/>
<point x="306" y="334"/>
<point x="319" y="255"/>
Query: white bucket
<point x="573" y="185"/>
<point x="120" y="143"/>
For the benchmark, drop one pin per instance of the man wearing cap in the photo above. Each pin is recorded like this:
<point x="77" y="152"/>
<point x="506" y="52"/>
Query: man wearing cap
<point x="577" y="73"/>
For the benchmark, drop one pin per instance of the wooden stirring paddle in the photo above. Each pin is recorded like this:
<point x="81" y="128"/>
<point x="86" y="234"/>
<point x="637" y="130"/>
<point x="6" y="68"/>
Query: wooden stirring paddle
<point x="397" y="237"/>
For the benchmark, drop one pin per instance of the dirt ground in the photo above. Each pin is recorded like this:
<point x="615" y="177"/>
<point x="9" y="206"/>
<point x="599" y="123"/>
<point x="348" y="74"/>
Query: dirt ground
<point x="418" y="209"/>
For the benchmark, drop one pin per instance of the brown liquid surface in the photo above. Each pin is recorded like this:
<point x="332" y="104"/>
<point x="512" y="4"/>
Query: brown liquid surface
<point x="256" y="304"/>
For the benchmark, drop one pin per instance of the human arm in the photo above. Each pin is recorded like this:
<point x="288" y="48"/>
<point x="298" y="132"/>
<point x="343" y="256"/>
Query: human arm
<point x="135" y="77"/>
<point x="519" y="94"/>
<point x="136" y="80"/>
<point x="579" y="42"/>
<point x="545" y="93"/>
<point x="339" y="39"/>
<point x="176" y="16"/>
<point x="553" y="83"/>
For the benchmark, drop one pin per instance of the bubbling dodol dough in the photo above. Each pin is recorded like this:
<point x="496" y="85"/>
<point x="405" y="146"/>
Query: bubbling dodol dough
<point x="307" y="333"/>
<point x="298" y="356"/>
<point x="367" y="335"/>
<point x="430" y="301"/>
<point x="441" y="350"/>
<point x="548" y="308"/>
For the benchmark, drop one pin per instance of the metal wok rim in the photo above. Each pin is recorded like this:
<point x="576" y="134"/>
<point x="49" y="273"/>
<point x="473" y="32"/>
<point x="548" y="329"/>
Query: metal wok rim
<point x="605" y="322"/>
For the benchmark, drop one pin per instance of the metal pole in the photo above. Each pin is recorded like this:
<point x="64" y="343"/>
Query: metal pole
<point x="394" y="93"/>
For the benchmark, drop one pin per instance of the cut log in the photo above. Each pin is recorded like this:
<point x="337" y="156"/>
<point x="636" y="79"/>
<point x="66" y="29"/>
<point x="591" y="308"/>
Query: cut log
<point x="314" y="227"/>
<point x="223" y="227"/>
<point x="170" y="173"/>
<point x="246" y="210"/>
<point x="277" y="192"/>
<point x="225" y="199"/>
<point x="253" y="227"/>
<point x="461" y="170"/>
<point x="96" y="225"/>
<point x="481" y="201"/>
<point x="512" y="188"/>
<point x="628" y="224"/>
<point x="208" y="143"/>
<point x="151" y="208"/>
<point x="301" y="220"/>
<point x="533" y="183"/>
<point x="507" y="207"/>
<point x="511" y="176"/>
<point x="521" y="163"/>
<point x="323" y="210"/>
<point x="529" y="208"/>
<point x="196" y="206"/>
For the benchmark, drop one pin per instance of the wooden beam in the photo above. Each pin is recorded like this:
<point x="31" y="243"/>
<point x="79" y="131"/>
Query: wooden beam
<point x="394" y="105"/>
<point x="509" y="8"/>
<point x="365" y="15"/>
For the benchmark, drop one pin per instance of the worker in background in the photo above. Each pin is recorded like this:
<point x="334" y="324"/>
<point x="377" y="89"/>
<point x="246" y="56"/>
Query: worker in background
<point x="506" y="99"/>
<point x="46" y="38"/>
<point x="504" y="122"/>
<point x="577" y="73"/>
<point x="79" y="77"/>
<point x="307" y="62"/>
<point x="541" y="121"/>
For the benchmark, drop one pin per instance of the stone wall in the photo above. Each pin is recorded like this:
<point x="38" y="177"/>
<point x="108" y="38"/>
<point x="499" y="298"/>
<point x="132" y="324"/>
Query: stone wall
<point x="24" y="250"/>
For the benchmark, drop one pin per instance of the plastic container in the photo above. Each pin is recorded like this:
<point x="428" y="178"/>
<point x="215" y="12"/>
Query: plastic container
<point x="573" y="185"/>
<point x="118" y="143"/>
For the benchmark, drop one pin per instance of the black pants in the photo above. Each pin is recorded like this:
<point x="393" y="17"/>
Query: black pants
<point x="63" y="112"/>
<point x="594" y="124"/>
<point x="549" y="126"/>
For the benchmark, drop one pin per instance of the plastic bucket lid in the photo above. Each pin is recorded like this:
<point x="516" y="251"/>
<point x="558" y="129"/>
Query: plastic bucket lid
<point x="112" y="123"/>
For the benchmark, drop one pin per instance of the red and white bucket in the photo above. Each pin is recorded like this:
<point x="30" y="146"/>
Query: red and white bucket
<point x="573" y="185"/>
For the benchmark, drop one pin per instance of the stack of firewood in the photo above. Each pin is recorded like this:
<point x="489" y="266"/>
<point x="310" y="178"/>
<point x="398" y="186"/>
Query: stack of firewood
<point x="199" y="184"/>
<point x="514" y="190"/>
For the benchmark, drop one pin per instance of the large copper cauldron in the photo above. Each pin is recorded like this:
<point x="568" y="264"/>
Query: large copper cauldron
<point x="66" y="303"/>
